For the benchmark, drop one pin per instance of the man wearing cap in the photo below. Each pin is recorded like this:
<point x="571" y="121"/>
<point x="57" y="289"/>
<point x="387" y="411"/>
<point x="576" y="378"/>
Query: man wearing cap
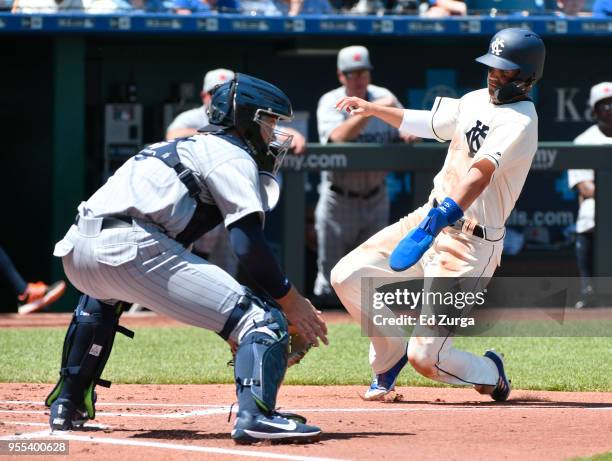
<point x="187" y="123"/>
<point x="352" y="206"/>
<point x="600" y="102"/>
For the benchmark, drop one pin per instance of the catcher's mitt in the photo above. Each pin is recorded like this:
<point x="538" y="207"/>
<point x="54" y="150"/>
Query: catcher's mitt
<point x="298" y="347"/>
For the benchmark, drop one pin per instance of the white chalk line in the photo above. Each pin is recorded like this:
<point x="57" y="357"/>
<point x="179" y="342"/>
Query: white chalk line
<point x="122" y="404"/>
<point x="171" y="446"/>
<point x="221" y="410"/>
<point x="188" y="414"/>
<point x="29" y="423"/>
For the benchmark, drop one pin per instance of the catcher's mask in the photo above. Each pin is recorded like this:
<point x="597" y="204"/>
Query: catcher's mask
<point x="253" y="107"/>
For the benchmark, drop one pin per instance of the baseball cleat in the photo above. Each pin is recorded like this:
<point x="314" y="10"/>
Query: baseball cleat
<point x="251" y="428"/>
<point x="384" y="383"/>
<point x="63" y="412"/>
<point x="39" y="295"/>
<point x="81" y="416"/>
<point x="291" y="416"/>
<point x="502" y="389"/>
<point x="66" y="416"/>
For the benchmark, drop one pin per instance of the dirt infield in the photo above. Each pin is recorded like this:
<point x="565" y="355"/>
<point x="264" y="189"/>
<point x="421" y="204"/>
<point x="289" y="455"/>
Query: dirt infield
<point x="172" y="422"/>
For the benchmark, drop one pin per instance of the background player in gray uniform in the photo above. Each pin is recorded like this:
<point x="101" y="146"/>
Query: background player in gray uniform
<point x="352" y="206"/>
<point x="129" y="244"/>
<point x="600" y="101"/>
<point x="189" y="122"/>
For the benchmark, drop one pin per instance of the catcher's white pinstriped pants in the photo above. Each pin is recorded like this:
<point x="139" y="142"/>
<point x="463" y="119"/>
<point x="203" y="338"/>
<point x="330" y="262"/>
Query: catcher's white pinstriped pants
<point x="140" y="264"/>
<point x="452" y="255"/>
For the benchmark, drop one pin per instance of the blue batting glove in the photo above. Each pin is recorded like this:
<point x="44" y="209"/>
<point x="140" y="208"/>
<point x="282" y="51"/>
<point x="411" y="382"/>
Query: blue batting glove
<point x="412" y="247"/>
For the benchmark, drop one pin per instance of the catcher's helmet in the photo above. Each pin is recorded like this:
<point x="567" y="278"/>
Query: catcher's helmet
<point x="243" y="104"/>
<point x="520" y="49"/>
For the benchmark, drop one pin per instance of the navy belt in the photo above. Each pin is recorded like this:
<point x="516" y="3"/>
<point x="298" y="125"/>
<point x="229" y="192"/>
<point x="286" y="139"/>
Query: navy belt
<point x="351" y="194"/>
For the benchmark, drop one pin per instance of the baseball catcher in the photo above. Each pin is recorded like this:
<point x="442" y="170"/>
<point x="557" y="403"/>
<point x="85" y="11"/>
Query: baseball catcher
<point x="130" y="244"/>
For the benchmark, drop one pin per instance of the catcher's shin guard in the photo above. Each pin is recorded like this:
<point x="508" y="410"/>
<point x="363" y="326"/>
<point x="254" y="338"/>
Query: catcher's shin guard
<point x="261" y="363"/>
<point x="87" y="346"/>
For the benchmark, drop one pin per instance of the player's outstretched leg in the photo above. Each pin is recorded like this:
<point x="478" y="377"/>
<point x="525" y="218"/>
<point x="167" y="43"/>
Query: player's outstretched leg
<point x="87" y="346"/>
<point x="260" y="365"/>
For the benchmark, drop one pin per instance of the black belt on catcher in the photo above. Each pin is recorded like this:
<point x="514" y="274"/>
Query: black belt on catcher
<point x="112" y="222"/>
<point x="352" y="194"/>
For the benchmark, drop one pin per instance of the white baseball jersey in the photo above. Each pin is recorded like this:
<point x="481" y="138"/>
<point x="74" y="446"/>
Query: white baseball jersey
<point x="193" y="118"/>
<point x="506" y="135"/>
<point x="375" y="131"/>
<point x="145" y="188"/>
<point x="586" y="213"/>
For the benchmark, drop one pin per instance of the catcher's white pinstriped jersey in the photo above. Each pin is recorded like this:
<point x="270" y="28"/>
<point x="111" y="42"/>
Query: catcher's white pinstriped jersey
<point x="146" y="188"/>
<point x="506" y="135"/>
<point x="142" y="263"/>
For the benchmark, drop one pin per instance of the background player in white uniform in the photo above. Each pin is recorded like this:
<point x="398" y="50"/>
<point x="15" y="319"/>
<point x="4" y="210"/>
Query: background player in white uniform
<point x="352" y="206"/>
<point x="493" y="135"/>
<point x="600" y="101"/>
<point x="129" y="244"/>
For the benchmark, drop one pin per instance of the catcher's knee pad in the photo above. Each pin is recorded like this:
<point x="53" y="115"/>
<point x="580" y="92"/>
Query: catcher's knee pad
<point x="261" y="358"/>
<point x="87" y="346"/>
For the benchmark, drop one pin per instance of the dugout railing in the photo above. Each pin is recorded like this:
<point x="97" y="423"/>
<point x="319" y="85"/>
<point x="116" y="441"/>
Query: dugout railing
<point x="424" y="160"/>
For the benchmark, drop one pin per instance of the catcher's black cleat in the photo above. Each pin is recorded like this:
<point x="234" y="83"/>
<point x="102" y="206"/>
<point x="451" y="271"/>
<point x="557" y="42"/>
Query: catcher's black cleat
<point x="63" y="413"/>
<point x="66" y="416"/>
<point x="251" y="428"/>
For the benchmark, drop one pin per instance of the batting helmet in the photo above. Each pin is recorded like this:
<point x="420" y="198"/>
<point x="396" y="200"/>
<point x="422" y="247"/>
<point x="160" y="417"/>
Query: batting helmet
<point x="512" y="49"/>
<point x="243" y="104"/>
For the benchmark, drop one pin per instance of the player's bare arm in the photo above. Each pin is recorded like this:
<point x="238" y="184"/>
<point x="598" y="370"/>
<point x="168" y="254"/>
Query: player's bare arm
<point x="417" y="242"/>
<point x="348" y="130"/>
<point x="298" y="141"/>
<point x="473" y="184"/>
<point x="586" y="189"/>
<point x="361" y="109"/>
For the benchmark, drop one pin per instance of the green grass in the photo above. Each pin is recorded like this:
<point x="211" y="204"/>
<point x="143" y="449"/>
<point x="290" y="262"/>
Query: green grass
<point x="601" y="457"/>
<point x="190" y="355"/>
